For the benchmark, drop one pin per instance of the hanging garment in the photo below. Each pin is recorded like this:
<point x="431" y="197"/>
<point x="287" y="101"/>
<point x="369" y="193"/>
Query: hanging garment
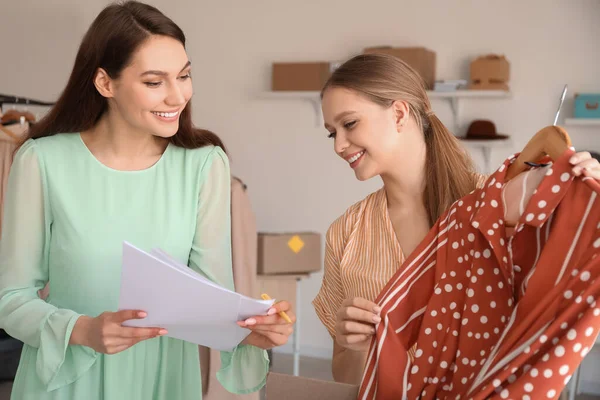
<point x="10" y="137"/>
<point x="244" y="244"/>
<point x="244" y="240"/>
<point x="494" y="316"/>
<point x="10" y="348"/>
<point x="7" y="149"/>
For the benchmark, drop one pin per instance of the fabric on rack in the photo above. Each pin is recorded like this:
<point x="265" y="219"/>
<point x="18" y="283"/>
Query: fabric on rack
<point x="244" y="240"/>
<point x="244" y="244"/>
<point x="516" y="195"/>
<point x="7" y="149"/>
<point x="492" y="316"/>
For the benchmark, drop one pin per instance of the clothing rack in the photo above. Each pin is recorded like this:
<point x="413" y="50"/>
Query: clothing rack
<point x="11" y="99"/>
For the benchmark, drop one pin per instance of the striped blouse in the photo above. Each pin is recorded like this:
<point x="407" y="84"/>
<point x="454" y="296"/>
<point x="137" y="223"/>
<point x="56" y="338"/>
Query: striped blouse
<point x="361" y="255"/>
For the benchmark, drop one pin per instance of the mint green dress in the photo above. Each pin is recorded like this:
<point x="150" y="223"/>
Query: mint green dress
<point x="66" y="216"/>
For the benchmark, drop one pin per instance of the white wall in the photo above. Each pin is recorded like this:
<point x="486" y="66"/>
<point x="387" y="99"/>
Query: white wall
<point x="295" y="180"/>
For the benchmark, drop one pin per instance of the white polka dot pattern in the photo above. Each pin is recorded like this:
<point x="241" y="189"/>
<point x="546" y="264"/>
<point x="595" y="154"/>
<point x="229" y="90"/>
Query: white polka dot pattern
<point x="515" y="316"/>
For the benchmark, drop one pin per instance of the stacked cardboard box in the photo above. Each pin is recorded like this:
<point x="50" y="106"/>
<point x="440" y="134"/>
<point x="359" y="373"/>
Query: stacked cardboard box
<point x="419" y="58"/>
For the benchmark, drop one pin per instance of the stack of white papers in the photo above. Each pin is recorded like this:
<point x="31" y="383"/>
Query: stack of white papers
<point x="185" y="303"/>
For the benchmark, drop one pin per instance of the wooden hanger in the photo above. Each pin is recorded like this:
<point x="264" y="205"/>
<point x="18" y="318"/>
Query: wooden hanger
<point x="14" y="115"/>
<point x="551" y="140"/>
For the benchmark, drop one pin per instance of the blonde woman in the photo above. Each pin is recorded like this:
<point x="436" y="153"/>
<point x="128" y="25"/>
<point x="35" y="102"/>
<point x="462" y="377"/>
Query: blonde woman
<point x="377" y="111"/>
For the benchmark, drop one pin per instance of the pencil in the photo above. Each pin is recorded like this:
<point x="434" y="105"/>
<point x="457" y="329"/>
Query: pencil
<point x="282" y="314"/>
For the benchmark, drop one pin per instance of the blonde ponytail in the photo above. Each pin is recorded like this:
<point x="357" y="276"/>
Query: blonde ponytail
<point x="449" y="169"/>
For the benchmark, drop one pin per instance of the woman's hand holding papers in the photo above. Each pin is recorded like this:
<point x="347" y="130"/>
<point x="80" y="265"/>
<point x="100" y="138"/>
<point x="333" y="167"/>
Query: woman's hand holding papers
<point x="106" y="334"/>
<point x="271" y="330"/>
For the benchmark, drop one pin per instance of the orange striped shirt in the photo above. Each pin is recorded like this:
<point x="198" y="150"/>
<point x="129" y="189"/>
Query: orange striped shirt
<point x="361" y="255"/>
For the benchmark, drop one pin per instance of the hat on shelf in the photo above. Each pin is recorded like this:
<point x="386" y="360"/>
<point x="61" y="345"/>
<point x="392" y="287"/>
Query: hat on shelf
<point x="482" y="129"/>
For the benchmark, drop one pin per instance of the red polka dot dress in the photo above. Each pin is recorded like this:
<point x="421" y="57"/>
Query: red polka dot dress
<point x="494" y="316"/>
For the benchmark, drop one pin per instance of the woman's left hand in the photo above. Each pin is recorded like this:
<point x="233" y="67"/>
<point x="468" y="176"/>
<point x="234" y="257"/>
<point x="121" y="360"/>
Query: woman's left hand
<point x="583" y="163"/>
<point x="270" y="330"/>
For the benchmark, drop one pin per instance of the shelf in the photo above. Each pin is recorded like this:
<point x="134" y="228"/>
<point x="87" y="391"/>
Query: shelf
<point x="469" y="94"/>
<point x="486" y="147"/>
<point x="454" y="98"/>
<point x="492" y="144"/>
<point x="307" y="95"/>
<point x="313" y="97"/>
<point x="582" y="121"/>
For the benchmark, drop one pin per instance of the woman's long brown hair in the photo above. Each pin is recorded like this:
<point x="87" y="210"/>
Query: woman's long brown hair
<point x="110" y="42"/>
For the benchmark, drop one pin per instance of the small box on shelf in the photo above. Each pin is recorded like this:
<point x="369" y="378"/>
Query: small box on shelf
<point x="595" y="122"/>
<point x="420" y="59"/>
<point x="587" y="105"/>
<point x="491" y="71"/>
<point x="300" y="76"/>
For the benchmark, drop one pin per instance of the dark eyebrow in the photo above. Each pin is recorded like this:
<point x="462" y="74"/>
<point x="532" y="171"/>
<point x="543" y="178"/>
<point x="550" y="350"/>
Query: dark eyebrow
<point x="163" y="73"/>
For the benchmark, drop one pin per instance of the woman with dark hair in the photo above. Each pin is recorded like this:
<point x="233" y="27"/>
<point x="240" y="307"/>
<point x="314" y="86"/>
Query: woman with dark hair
<point x="118" y="159"/>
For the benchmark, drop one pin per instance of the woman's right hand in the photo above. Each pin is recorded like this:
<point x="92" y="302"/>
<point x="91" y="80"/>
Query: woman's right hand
<point x="355" y="323"/>
<point x="106" y="334"/>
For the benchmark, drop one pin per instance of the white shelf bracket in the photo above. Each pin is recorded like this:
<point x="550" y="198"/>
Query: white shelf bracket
<point x="453" y="97"/>
<point x="455" y="107"/>
<point x="316" y="104"/>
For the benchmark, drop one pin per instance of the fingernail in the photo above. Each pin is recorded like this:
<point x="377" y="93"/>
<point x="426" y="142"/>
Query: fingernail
<point x="162" y="332"/>
<point x="372" y="331"/>
<point x="250" y="321"/>
<point x="271" y="311"/>
<point x="376" y="319"/>
<point x="573" y="160"/>
<point x="377" y="309"/>
<point x="142" y="314"/>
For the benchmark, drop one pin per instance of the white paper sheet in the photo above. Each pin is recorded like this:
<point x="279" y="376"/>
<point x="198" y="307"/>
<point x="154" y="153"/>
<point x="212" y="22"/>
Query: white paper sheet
<point x="188" y="305"/>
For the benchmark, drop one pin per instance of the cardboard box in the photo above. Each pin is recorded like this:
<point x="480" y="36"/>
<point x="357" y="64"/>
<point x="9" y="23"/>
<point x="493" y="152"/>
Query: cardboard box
<point x="300" y="76"/>
<point x="419" y="58"/>
<point x="289" y="253"/>
<point x="490" y="72"/>
<point x="289" y="387"/>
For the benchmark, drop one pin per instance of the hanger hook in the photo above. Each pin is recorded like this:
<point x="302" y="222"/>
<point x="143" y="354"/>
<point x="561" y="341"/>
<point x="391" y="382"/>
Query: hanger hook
<point x="562" y="99"/>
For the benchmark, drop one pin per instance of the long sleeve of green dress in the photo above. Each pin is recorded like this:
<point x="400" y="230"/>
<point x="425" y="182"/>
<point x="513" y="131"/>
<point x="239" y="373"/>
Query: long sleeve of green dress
<point x="24" y="271"/>
<point x="245" y="369"/>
